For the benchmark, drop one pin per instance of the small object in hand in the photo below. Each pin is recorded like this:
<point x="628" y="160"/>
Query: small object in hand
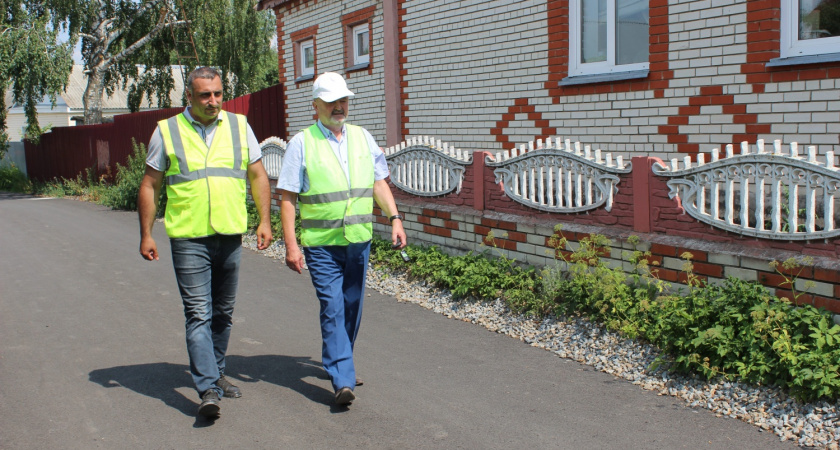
<point x="404" y="256"/>
<point x="398" y="244"/>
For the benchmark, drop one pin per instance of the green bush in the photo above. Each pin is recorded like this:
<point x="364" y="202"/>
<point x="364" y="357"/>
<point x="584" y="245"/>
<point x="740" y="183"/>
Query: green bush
<point x="123" y="194"/>
<point x="736" y="330"/>
<point x="85" y="186"/>
<point x="12" y="179"/>
<point x="276" y="224"/>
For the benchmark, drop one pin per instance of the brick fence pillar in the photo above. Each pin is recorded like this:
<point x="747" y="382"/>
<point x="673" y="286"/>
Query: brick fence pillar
<point x="479" y="174"/>
<point x="641" y="193"/>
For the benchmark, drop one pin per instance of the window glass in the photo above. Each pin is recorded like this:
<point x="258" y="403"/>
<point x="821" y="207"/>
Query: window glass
<point x="307" y="61"/>
<point x="631" y="36"/>
<point x="607" y="36"/>
<point x="819" y="19"/>
<point x="593" y="36"/>
<point x="361" y="43"/>
<point x="809" y="27"/>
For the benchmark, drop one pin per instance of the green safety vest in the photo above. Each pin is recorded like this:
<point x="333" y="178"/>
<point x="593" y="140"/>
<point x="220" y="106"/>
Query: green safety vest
<point x="331" y="212"/>
<point x="205" y="187"/>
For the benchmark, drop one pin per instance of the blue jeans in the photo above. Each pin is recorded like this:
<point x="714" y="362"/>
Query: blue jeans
<point x="207" y="270"/>
<point x="338" y="274"/>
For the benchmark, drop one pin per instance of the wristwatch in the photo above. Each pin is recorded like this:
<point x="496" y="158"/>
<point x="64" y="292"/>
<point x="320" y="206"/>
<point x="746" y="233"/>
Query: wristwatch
<point x="395" y="216"/>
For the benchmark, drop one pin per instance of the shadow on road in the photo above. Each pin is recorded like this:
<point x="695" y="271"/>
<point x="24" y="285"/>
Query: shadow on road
<point x="161" y="380"/>
<point x="286" y="371"/>
<point x="6" y="195"/>
<point x="156" y="380"/>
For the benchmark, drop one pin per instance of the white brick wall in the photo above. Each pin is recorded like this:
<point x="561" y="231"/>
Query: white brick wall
<point x="468" y="61"/>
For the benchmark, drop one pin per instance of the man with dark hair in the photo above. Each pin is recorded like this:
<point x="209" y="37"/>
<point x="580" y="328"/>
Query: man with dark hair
<point x="337" y="171"/>
<point x="205" y="154"/>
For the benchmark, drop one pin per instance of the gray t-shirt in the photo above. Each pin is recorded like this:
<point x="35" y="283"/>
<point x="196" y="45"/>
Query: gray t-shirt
<point x="156" y="156"/>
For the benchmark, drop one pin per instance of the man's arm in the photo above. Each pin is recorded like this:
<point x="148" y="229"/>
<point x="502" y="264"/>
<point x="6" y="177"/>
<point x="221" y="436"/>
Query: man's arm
<point x="262" y="198"/>
<point x="147" y="203"/>
<point x="385" y="199"/>
<point x="294" y="257"/>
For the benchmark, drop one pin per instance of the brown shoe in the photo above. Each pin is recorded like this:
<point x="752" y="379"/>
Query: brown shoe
<point x="344" y="396"/>
<point x="230" y="389"/>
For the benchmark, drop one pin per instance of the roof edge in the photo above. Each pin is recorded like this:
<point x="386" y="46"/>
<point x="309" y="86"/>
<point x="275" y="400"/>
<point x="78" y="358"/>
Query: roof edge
<point x="269" y="4"/>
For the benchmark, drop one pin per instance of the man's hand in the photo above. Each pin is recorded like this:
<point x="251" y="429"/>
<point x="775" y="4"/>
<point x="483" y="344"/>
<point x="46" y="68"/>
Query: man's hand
<point x="147" y="199"/>
<point x="294" y="258"/>
<point x="398" y="238"/>
<point x="148" y="249"/>
<point x="263" y="236"/>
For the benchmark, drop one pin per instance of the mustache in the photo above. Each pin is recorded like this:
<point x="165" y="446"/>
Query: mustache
<point x="338" y="111"/>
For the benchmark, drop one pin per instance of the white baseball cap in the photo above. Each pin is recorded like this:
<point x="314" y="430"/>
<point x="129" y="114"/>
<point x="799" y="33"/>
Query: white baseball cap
<point x="329" y="87"/>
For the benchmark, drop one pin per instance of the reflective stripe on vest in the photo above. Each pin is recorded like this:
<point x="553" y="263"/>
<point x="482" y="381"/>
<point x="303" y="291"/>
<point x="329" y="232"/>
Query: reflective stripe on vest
<point x="333" y="213"/>
<point x="205" y="187"/>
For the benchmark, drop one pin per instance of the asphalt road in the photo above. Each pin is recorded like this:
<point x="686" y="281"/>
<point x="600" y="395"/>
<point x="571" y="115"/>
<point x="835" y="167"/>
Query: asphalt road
<point x="92" y="355"/>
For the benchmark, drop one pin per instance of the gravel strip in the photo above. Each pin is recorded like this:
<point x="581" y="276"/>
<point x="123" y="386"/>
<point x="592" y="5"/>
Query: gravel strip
<point x="814" y="424"/>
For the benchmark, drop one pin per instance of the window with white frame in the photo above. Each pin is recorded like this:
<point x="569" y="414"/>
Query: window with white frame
<point x="810" y="27"/>
<point x="608" y="36"/>
<point x="307" y="57"/>
<point x="361" y="44"/>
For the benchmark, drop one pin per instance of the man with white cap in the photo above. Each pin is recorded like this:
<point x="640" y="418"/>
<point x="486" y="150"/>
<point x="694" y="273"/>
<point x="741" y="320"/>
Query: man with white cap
<point x="336" y="171"/>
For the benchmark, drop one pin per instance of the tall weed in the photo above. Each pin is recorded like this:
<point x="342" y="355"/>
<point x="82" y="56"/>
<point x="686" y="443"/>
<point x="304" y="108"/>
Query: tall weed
<point x="123" y="194"/>
<point x="12" y="179"/>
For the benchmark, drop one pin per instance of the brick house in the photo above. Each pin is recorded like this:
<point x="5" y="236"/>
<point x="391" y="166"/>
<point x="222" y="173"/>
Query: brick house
<point x="665" y="79"/>
<point x="682" y="77"/>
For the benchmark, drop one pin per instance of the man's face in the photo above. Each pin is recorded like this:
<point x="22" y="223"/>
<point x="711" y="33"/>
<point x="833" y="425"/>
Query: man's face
<point x="332" y="114"/>
<point x="205" y="97"/>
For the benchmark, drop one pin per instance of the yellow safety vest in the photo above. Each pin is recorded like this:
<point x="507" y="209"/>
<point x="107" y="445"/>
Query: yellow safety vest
<point x="331" y="212"/>
<point x="205" y="187"/>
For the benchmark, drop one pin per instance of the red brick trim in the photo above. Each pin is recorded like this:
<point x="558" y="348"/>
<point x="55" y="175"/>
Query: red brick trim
<point x="353" y="19"/>
<point x="401" y="13"/>
<point x="521" y="106"/>
<point x="299" y="36"/>
<point x="281" y="60"/>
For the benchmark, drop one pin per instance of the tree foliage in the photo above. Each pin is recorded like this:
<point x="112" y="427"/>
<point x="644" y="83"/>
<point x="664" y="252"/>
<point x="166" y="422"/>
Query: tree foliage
<point x="132" y="44"/>
<point x="33" y="64"/>
<point x="227" y="34"/>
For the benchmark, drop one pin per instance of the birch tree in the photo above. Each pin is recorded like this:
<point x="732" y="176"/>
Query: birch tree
<point x="33" y="64"/>
<point x="115" y="31"/>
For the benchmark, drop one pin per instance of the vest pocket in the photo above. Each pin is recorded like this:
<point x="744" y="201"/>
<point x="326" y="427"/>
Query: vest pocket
<point x="176" y="210"/>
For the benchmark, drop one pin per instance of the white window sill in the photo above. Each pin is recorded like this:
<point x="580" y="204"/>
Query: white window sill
<point x="357" y="67"/>
<point x="604" y="77"/>
<point x="801" y="60"/>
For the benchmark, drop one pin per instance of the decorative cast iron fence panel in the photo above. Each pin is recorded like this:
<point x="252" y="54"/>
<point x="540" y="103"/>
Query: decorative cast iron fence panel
<point x="559" y="179"/>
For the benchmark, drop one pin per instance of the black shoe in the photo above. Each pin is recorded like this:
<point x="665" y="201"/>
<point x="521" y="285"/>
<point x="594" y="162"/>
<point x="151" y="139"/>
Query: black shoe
<point x="344" y="396"/>
<point x="209" y="406"/>
<point x="359" y="382"/>
<point x="231" y="391"/>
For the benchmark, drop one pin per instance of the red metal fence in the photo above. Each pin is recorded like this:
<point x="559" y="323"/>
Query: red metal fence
<point x="65" y="152"/>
